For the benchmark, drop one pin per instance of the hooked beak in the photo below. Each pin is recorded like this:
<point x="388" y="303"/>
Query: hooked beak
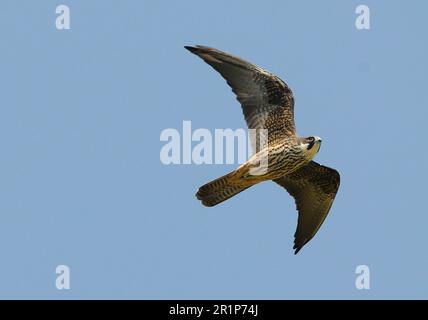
<point x="319" y="144"/>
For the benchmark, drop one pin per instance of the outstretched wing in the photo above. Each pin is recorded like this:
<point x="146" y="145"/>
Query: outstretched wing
<point x="313" y="187"/>
<point x="267" y="102"/>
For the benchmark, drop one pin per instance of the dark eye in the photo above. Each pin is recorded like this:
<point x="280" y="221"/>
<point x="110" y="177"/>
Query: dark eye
<point x="311" y="139"/>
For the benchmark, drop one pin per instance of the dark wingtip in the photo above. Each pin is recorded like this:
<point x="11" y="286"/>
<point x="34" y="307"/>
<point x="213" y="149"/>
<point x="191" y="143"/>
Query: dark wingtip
<point x="299" y="244"/>
<point x="191" y="49"/>
<point x="199" y="49"/>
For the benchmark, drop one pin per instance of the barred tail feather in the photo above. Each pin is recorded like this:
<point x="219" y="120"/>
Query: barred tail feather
<point x="220" y="189"/>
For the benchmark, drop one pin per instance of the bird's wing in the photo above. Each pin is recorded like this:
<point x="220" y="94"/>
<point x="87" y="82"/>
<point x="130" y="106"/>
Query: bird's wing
<point x="267" y="102"/>
<point x="313" y="187"/>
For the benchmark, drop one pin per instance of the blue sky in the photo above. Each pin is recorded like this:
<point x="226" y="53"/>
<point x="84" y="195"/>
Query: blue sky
<point x="81" y="112"/>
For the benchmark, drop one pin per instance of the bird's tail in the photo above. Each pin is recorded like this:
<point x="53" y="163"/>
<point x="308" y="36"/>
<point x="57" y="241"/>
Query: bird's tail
<point x="221" y="189"/>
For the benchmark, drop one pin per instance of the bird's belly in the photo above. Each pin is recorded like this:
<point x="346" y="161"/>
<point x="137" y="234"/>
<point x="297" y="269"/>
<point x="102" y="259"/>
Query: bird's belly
<point x="275" y="165"/>
<point x="285" y="164"/>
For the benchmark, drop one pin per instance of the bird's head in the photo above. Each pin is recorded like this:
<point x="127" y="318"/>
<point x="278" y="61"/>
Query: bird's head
<point x="310" y="146"/>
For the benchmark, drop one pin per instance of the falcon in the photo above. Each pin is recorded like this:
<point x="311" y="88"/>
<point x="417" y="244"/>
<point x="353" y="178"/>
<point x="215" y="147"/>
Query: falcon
<point x="268" y="106"/>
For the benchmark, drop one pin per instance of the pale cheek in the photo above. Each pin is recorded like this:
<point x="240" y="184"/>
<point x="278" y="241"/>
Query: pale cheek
<point x="312" y="152"/>
<point x="304" y="147"/>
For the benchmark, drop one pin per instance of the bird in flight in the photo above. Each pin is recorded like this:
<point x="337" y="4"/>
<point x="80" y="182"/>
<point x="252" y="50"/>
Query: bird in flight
<point x="268" y="106"/>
